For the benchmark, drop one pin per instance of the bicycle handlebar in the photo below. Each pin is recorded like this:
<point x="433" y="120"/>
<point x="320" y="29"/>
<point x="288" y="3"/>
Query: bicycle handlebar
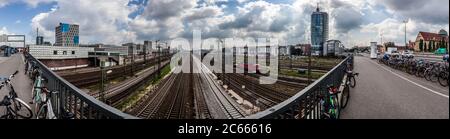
<point x="2" y="84"/>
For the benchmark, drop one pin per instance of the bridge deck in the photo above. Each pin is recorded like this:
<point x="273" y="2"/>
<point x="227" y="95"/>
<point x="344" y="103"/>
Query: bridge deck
<point x="22" y="84"/>
<point x="385" y="93"/>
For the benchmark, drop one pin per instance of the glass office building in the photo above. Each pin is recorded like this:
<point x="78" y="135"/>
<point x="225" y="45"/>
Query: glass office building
<point x="67" y="35"/>
<point x="319" y="31"/>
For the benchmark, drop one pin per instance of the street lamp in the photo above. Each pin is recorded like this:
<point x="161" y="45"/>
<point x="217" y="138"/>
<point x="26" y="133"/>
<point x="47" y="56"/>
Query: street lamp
<point x="406" y="22"/>
<point x="104" y="80"/>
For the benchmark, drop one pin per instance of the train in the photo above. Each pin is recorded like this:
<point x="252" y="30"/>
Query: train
<point x="251" y="68"/>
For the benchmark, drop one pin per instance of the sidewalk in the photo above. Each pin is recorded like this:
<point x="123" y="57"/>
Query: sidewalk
<point x="21" y="83"/>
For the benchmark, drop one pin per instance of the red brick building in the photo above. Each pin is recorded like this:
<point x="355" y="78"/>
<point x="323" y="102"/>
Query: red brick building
<point x="430" y="42"/>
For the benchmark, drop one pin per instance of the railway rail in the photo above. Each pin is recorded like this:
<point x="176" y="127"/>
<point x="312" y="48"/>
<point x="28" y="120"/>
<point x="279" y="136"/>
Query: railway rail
<point x="93" y="76"/>
<point x="121" y="91"/>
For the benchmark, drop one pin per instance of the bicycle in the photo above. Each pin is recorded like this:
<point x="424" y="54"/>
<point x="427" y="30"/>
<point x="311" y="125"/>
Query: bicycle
<point x="46" y="108"/>
<point x="349" y="82"/>
<point x="443" y="76"/>
<point x="36" y="91"/>
<point x="15" y="107"/>
<point x="329" y="105"/>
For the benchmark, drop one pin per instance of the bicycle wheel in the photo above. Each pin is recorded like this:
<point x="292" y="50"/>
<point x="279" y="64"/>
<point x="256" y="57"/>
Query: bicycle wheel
<point x="443" y="78"/>
<point x="22" y="109"/>
<point x="345" y="97"/>
<point x="352" y="81"/>
<point x="337" y="109"/>
<point x="411" y="70"/>
<point x="427" y="74"/>
<point x="434" y="77"/>
<point x="42" y="114"/>
<point x="421" y="72"/>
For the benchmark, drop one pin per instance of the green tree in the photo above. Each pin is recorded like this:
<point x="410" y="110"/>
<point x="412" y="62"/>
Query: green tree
<point x="443" y="44"/>
<point x="429" y="46"/>
<point x="421" y="45"/>
<point x="433" y="48"/>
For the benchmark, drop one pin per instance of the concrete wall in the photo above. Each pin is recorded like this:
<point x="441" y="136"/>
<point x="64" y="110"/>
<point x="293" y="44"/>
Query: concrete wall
<point x="48" y="52"/>
<point x="63" y="64"/>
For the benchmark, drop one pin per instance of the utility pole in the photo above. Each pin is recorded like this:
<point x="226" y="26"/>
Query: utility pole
<point x="406" y="22"/>
<point x="102" y="87"/>
<point x="145" y="53"/>
<point x="132" y="58"/>
<point x="309" y="56"/>
<point x="159" y="58"/>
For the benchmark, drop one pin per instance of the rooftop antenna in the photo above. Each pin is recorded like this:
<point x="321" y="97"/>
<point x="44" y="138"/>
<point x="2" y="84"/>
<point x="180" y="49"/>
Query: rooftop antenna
<point x="318" y="10"/>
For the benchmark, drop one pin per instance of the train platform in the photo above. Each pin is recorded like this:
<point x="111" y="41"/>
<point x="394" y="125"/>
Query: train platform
<point x="21" y="83"/>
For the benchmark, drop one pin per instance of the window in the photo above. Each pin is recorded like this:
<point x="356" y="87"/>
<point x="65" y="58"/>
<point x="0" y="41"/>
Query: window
<point x="55" y="52"/>
<point x="73" y="52"/>
<point x="64" y="52"/>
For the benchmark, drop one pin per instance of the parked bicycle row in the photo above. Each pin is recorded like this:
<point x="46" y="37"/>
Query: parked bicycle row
<point x="330" y="103"/>
<point x="45" y="101"/>
<point x="431" y="71"/>
<point x="15" y="108"/>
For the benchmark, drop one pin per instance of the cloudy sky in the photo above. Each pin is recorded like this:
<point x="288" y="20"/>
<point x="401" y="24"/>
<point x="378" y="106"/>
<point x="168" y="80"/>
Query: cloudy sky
<point x="355" y="22"/>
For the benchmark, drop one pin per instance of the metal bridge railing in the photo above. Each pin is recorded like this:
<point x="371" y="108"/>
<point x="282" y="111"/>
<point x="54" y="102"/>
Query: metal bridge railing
<point x="71" y="99"/>
<point x="306" y="104"/>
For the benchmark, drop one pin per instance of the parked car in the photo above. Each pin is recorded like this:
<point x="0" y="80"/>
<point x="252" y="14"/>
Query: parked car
<point x="440" y="51"/>
<point x="408" y="54"/>
<point x="394" y="53"/>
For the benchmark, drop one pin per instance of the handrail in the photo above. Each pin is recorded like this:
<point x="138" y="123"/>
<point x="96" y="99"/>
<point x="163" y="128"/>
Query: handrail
<point x="304" y="103"/>
<point x="76" y="101"/>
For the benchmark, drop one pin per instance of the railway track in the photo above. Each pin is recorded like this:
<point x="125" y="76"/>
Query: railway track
<point x="116" y="94"/>
<point x="93" y="76"/>
<point x="223" y="105"/>
<point x="249" y="95"/>
<point x="254" y="92"/>
<point x="173" y="100"/>
<point x="201" y="106"/>
<point x="149" y="106"/>
<point x="187" y="96"/>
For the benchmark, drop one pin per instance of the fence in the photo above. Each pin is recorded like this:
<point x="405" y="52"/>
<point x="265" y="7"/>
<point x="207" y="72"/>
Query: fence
<point x="71" y="99"/>
<point x="306" y="103"/>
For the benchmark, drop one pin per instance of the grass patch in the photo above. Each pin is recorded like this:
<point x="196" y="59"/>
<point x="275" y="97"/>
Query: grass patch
<point x="143" y="90"/>
<point x="114" y="81"/>
<point x="294" y="73"/>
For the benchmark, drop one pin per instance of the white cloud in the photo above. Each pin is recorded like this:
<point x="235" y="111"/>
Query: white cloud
<point x="393" y="30"/>
<point x="106" y="23"/>
<point x="35" y="3"/>
<point x="353" y="21"/>
<point x="31" y="3"/>
<point x="4" y="30"/>
<point x="4" y="2"/>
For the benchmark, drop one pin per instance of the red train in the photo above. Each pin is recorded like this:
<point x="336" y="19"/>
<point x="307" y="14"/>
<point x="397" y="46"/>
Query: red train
<point x="251" y="68"/>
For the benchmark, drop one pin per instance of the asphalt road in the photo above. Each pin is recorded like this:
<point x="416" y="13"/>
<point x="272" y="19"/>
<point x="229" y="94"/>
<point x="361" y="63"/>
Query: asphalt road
<point x="385" y="93"/>
<point x="21" y="82"/>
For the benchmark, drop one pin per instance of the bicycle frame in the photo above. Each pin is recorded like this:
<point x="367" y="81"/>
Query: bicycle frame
<point x="50" y="114"/>
<point x="330" y="109"/>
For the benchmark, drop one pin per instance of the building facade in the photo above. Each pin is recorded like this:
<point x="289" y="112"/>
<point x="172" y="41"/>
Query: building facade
<point x="67" y="35"/>
<point x="333" y="48"/>
<point x="61" y="58"/>
<point x="430" y="42"/>
<point x="39" y="40"/>
<point x="319" y="31"/>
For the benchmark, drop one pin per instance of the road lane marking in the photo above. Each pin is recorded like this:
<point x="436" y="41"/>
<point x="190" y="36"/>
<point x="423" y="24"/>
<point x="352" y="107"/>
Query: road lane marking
<point x="23" y="59"/>
<point x="406" y="79"/>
